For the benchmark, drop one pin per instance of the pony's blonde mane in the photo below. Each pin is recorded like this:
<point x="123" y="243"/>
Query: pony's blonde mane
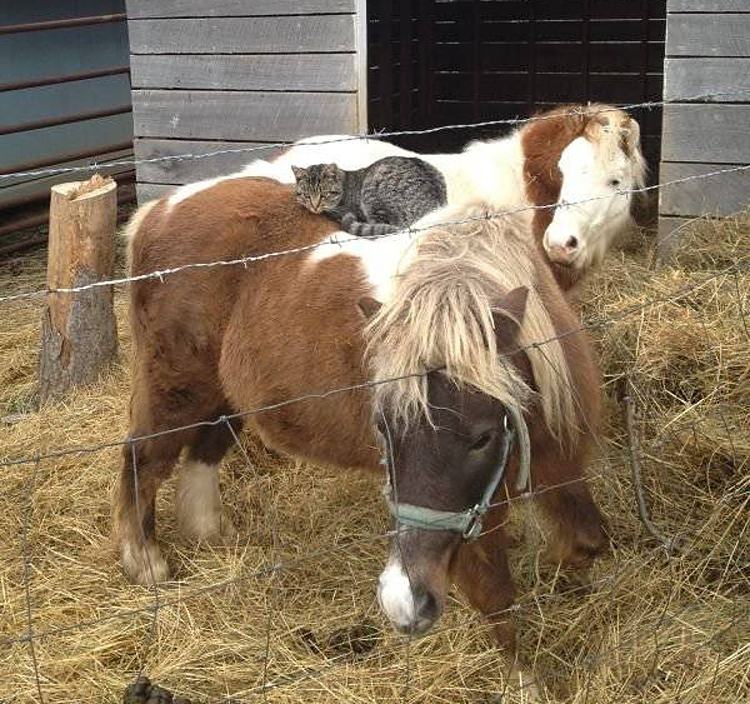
<point x="440" y="315"/>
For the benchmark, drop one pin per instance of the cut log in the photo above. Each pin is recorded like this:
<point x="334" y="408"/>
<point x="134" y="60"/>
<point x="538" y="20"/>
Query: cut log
<point x="79" y="332"/>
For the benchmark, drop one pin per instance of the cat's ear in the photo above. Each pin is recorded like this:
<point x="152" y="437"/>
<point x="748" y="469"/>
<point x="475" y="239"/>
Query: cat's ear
<point x="298" y="172"/>
<point x="330" y="169"/>
<point x="368" y="306"/>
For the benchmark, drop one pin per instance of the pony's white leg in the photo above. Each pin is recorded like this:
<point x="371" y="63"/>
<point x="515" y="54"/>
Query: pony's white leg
<point x="200" y="515"/>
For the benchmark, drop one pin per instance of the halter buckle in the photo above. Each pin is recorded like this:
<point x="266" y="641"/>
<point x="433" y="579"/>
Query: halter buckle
<point x="474" y="528"/>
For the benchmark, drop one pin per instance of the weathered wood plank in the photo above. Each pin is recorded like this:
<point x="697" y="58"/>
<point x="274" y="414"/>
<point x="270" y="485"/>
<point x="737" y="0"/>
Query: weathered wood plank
<point x="687" y="77"/>
<point x="708" y="6"/>
<point x="706" y="133"/>
<point x="241" y="35"/>
<point x="233" y="8"/>
<point x="717" y="195"/>
<point x="708" y="35"/>
<point x="187" y="170"/>
<point x="151" y="191"/>
<point x="261" y="117"/>
<point x="312" y="72"/>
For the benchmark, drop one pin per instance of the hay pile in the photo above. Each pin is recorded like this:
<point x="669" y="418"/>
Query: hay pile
<point x="652" y="628"/>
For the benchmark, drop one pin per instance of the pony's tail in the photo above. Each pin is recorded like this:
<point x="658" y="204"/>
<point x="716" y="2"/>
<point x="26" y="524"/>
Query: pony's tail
<point x="366" y="229"/>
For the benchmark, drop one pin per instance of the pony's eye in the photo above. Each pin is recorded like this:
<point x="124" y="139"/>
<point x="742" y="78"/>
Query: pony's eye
<point x="615" y="182"/>
<point x="481" y="442"/>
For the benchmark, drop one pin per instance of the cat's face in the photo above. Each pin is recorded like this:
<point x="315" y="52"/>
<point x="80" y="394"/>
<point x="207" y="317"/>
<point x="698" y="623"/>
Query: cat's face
<point x="320" y="187"/>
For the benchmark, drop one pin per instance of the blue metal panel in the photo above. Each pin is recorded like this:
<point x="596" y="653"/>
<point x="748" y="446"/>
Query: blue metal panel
<point x="55" y="143"/>
<point x="56" y="52"/>
<point x="63" y="101"/>
<point x="53" y="111"/>
<point x="18" y="11"/>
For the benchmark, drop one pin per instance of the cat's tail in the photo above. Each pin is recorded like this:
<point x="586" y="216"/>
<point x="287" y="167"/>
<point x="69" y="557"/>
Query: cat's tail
<point x="367" y="229"/>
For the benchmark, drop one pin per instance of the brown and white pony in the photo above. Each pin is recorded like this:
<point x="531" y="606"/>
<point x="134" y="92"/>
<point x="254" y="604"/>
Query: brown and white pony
<point x="468" y="299"/>
<point x="581" y="155"/>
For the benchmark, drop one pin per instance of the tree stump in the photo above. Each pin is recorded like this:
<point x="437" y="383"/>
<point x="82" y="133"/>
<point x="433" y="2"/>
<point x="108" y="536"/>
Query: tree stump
<point x="79" y="332"/>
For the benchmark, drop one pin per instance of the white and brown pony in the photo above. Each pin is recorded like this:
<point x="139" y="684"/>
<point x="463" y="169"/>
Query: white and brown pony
<point x="459" y="306"/>
<point x="579" y="157"/>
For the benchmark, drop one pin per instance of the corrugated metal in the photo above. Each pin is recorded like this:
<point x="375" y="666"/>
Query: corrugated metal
<point x="64" y="90"/>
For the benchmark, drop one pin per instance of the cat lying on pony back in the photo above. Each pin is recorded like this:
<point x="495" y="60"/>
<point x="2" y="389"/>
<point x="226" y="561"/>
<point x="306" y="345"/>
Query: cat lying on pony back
<point x="386" y="196"/>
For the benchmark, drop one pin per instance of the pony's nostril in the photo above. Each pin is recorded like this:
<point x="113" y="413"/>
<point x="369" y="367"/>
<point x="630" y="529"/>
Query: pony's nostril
<point x="426" y="607"/>
<point x="571" y="244"/>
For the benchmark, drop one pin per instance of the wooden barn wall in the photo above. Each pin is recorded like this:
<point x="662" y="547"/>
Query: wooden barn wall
<point x="64" y="91"/>
<point x="708" y="50"/>
<point x="435" y="62"/>
<point x="236" y="73"/>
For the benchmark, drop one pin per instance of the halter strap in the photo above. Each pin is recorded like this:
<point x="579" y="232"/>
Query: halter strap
<point x="468" y="522"/>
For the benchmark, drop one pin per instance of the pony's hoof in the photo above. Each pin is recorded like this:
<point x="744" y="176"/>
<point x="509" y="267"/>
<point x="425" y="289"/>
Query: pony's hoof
<point x="145" y="566"/>
<point x="224" y="534"/>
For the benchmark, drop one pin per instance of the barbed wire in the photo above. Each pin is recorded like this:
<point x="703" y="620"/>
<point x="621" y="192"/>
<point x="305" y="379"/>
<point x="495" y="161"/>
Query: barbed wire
<point x="513" y="121"/>
<point x="370" y="384"/>
<point x="278" y="564"/>
<point x="591" y="324"/>
<point x="161" y="274"/>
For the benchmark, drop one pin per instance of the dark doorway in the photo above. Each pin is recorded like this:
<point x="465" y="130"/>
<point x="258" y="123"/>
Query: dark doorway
<point x="438" y="62"/>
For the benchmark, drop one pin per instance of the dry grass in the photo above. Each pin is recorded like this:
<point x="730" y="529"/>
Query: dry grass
<point x="653" y="628"/>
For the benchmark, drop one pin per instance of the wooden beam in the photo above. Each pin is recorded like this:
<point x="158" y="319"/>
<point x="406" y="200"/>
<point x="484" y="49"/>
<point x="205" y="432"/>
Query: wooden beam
<point x="706" y="133"/>
<point x="232" y="115"/>
<point x="185" y="171"/>
<point x="708" y="35"/>
<point x="151" y="191"/>
<point x="309" y="72"/>
<point x="231" y="8"/>
<point x="707" y="6"/>
<point x="243" y="35"/>
<point x="717" y="195"/>
<point x="687" y="77"/>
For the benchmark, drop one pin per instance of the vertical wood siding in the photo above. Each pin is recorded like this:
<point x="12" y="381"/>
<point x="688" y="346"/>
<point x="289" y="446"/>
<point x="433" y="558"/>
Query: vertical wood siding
<point x="232" y="74"/>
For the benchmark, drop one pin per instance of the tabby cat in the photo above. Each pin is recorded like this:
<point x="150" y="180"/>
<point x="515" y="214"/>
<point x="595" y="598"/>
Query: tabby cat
<point x="384" y="197"/>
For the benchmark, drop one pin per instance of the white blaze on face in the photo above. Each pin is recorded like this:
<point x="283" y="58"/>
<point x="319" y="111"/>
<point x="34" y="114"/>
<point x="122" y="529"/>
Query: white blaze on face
<point x="590" y="211"/>
<point x="395" y="595"/>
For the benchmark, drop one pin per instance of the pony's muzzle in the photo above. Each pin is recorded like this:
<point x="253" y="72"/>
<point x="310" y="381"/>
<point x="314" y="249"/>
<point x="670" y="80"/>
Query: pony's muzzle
<point x="561" y="250"/>
<point x="410" y="607"/>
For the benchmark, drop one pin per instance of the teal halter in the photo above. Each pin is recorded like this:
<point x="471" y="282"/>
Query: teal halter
<point x="468" y="522"/>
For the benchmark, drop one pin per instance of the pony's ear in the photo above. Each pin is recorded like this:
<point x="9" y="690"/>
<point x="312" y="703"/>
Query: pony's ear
<point x="631" y="133"/>
<point x="508" y="314"/>
<point x="368" y="306"/>
<point x="513" y="304"/>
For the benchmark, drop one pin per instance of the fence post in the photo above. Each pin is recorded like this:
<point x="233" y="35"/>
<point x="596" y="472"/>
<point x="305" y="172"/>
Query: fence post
<point x="79" y="333"/>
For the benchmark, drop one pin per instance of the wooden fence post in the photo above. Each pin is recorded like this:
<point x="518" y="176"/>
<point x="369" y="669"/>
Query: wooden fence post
<point x="79" y="333"/>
